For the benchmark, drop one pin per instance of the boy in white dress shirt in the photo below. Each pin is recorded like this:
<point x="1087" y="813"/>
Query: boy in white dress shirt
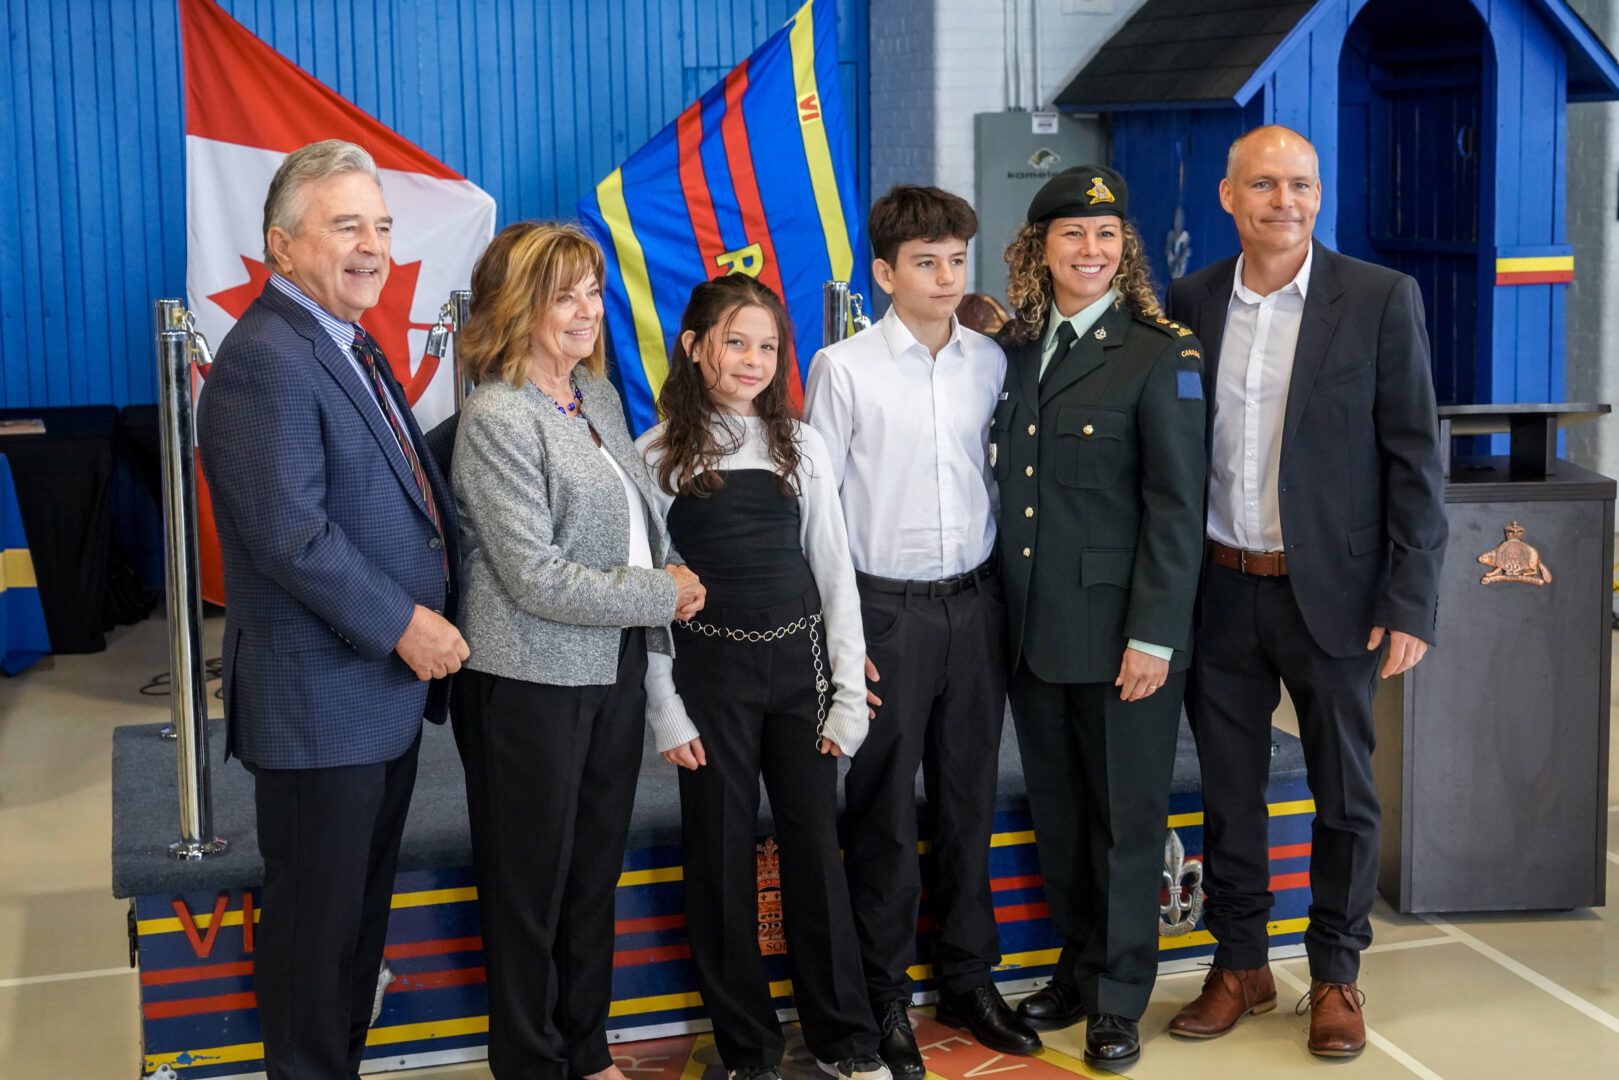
<point x="904" y="407"/>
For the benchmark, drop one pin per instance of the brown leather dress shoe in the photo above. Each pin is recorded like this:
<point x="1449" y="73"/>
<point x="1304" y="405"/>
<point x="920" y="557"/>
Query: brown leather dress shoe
<point x="1228" y="995"/>
<point x="1337" y="1026"/>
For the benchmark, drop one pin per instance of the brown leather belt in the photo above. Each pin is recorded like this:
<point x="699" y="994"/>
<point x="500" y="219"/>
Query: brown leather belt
<point x="1261" y="563"/>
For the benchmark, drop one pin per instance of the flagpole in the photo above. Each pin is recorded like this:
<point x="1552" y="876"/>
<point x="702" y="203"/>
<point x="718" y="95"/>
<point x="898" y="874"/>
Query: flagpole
<point x="188" y="684"/>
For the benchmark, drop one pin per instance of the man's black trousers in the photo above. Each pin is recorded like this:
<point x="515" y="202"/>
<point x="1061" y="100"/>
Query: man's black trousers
<point x="1251" y="640"/>
<point x="942" y="681"/>
<point x="330" y="841"/>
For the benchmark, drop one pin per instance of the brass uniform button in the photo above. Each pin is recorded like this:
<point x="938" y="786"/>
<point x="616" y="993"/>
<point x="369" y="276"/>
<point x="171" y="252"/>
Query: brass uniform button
<point x="1088" y="429"/>
<point x="1025" y="553"/>
<point x="1028" y="470"/>
<point x="1031" y="429"/>
<point x="992" y="421"/>
<point x="1028" y="511"/>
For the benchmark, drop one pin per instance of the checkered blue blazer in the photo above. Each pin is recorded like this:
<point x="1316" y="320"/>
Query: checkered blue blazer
<point x="327" y="547"/>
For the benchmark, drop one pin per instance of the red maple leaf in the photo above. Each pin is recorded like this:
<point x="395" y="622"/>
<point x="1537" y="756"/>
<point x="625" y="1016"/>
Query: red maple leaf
<point x="389" y="322"/>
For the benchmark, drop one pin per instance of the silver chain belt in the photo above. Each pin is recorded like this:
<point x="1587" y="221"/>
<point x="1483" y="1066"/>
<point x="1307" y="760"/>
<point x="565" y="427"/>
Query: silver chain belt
<point x="812" y="623"/>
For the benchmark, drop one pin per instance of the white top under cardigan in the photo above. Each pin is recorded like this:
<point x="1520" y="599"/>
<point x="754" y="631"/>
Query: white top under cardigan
<point x="826" y="549"/>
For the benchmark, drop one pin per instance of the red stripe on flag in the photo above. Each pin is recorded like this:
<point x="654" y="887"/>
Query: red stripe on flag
<point x="1290" y="851"/>
<point x="239" y="90"/>
<point x="170" y="976"/>
<point x="642" y="926"/>
<point x="739" y="157"/>
<point x="1535" y="277"/>
<point x="694" y="186"/>
<point x="1025" y="881"/>
<point x="436" y="947"/>
<point x="1021" y="912"/>
<point x="1282" y="882"/>
<point x="657" y="955"/>
<point x="435" y="980"/>
<point x="167" y="1010"/>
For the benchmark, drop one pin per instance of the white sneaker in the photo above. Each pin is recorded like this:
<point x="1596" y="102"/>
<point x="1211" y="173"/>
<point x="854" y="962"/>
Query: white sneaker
<point x="870" y="1067"/>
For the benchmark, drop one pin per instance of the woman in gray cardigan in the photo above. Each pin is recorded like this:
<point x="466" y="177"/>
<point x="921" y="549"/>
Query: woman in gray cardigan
<point x="564" y="596"/>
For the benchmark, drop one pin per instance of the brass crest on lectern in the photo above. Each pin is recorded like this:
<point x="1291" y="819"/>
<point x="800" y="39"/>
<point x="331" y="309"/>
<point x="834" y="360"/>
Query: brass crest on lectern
<point x="1514" y="560"/>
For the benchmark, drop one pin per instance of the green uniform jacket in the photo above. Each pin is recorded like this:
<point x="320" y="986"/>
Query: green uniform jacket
<point x="1102" y="474"/>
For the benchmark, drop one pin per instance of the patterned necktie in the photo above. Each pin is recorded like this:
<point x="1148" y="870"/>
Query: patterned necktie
<point x="1066" y="336"/>
<point x="370" y="357"/>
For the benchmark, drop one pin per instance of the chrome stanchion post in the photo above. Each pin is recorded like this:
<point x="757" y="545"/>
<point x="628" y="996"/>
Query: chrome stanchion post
<point x="188" y="685"/>
<point x="461" y="309"/>
<point x="834" y="311"/>
<point x="168" y="314"/>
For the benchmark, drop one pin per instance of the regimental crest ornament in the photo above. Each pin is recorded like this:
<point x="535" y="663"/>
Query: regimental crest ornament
<point x="1514" y="560"/>
<point x="1099" y="192"/>
<point x="1182" y="905"/>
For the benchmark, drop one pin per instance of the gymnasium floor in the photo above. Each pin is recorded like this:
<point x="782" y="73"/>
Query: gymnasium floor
<point x="1479" y="997"/>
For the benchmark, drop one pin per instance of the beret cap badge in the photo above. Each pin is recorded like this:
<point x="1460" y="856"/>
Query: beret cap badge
<point x="1098" y="191"/>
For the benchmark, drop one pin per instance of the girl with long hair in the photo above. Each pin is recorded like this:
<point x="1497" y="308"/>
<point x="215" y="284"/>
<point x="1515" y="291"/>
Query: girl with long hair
<point x="768" y="680"/>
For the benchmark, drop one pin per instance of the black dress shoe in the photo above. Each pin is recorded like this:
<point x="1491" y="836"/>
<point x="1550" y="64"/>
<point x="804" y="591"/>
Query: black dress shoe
<point x="985" y="1013"/>
<point x="1111" y="1041"/>
<point x="898" y="1047"/>
<point x="1055" y="1005"/>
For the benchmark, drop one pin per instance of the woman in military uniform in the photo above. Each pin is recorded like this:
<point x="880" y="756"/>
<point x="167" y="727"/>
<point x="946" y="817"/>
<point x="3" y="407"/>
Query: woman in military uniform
<point x="1097" y="443"/>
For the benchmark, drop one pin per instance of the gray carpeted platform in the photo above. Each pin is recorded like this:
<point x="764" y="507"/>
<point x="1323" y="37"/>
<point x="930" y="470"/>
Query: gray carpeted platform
<point x="145" y="807"/>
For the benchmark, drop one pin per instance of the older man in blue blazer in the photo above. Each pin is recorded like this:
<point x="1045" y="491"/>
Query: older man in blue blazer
<point x="339" y="541"/>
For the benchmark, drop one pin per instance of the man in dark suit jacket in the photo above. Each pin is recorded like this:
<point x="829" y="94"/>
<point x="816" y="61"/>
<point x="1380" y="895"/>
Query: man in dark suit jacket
<point x="338" y="534"/>
<point x="1326" y="530"/>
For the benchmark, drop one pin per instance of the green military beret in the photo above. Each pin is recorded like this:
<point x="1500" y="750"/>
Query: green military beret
<point x="1083" y="191"/>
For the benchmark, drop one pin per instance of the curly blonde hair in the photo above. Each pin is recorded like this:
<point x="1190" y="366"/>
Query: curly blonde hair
<point x="1029" y="289"/>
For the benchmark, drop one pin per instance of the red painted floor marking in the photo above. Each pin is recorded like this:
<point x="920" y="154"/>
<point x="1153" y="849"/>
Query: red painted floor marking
<point x="654" y="1059"/>
<point x="954" y="1055"/>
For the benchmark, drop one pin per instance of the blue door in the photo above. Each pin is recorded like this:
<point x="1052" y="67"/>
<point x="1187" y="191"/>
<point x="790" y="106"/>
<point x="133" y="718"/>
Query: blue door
<point x="1409" y="166"/>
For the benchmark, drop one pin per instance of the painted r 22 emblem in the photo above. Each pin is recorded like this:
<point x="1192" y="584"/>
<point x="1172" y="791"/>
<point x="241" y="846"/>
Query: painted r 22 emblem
<point x="1183" y="890"/>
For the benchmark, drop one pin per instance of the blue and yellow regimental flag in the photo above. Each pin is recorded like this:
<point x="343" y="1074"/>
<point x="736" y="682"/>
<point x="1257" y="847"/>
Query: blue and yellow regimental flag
<point x="22" y="620"/>
<point x="755" y="177"/>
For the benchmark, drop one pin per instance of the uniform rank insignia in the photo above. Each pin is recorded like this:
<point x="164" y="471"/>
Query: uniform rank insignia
<point x="1188" y="386"/>
<point x="1181" y="331"/>
<point x="1099" y="192"/>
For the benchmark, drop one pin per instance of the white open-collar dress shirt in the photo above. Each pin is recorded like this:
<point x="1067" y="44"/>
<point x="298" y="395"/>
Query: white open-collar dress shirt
<point x="1250" y="401"/>
<point x="908" y="434"/>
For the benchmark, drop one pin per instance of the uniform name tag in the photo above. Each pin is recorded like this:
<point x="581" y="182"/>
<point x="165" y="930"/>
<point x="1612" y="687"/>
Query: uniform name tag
<point x="1188" y="386"/>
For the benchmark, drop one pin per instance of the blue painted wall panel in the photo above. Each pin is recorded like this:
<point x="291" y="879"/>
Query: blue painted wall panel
<point x="533" y="101"/>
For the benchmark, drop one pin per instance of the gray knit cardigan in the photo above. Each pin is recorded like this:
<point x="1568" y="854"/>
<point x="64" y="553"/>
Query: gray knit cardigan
<point x="545" y="535"/>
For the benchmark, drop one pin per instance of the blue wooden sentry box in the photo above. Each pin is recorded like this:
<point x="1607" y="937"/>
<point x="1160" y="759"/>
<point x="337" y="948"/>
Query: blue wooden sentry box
<point x="1443" y="144"/>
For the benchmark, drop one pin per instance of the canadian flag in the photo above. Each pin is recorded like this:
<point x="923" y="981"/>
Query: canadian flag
<point x="247" y="106"/>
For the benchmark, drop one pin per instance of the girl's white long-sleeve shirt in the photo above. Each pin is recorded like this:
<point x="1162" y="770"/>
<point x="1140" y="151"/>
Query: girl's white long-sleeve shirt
<point x="826" y="549"/>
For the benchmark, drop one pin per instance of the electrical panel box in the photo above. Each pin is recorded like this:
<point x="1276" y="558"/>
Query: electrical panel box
<point x="1015" y="154"/>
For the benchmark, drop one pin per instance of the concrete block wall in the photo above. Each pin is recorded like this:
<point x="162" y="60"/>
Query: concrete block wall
<point x="903" y="103"/>
<point x="1592" y="372"/>
<point x="937" y="63"/>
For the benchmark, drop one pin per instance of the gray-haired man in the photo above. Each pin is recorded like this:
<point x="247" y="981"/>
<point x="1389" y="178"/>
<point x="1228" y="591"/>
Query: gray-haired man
<point x="338" y="535"/>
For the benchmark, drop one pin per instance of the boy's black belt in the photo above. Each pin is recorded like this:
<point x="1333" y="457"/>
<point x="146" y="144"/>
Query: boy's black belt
<point x="949" y="586"/>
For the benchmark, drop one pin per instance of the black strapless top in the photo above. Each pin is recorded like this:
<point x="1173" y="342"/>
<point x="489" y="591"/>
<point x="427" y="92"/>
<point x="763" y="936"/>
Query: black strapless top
<point x="743" y="541"/>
